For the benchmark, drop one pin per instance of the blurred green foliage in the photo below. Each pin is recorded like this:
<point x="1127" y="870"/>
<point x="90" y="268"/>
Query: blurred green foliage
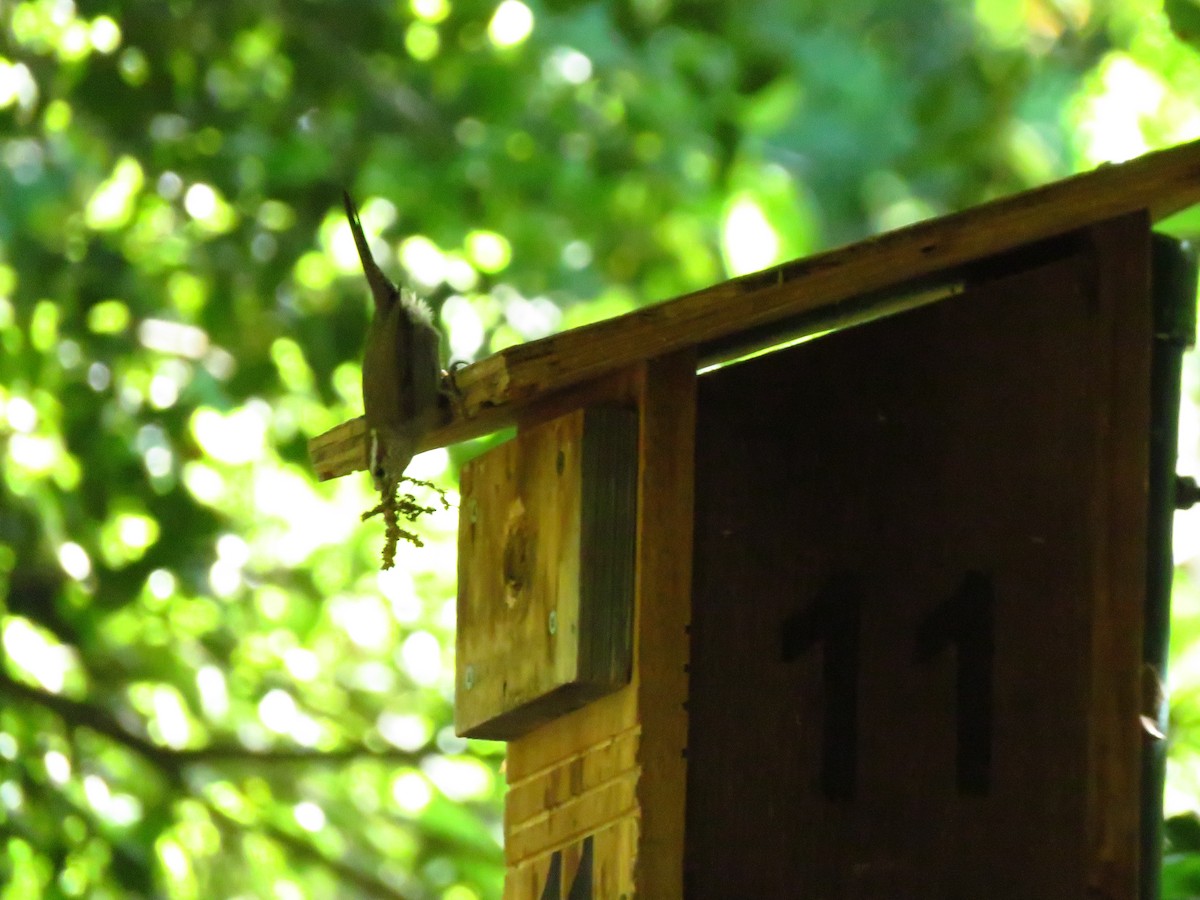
<point x="208" y="689"/>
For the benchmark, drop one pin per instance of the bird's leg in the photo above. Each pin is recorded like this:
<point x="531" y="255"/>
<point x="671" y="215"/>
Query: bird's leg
<point x="451" y="395"/>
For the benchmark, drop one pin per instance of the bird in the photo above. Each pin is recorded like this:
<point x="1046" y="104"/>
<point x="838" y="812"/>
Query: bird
<point x="404" y="393"/>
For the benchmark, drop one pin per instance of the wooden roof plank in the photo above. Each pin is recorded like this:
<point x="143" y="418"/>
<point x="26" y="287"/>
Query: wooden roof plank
<point x="495" y="389"/>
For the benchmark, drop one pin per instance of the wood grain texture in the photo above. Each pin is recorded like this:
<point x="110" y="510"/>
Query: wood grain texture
<point x="617" y="766"/>
<point x="663" y="615"/>
<point x="998" y="439"/>
<point x="609" y="868"/>
<point x="495" y="389"/>
<point x="545" y="581"/>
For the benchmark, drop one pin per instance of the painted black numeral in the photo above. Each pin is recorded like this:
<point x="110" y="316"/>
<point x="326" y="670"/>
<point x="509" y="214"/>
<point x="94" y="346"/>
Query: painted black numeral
<point x="581" y="887"/>
<point x="581" y="884"/>
<point x="967" y="620"/>
<point x="553" y="888"/>
<point x="833" y="622"/>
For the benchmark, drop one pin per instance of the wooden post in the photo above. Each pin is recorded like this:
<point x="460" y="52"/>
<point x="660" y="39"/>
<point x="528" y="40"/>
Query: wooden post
<point x="603" y="786"/>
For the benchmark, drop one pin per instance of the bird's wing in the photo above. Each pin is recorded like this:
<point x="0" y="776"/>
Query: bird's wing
<point x="424" y="343"/>
<point x="401" y="369"/>
<point x="386" y="389"/>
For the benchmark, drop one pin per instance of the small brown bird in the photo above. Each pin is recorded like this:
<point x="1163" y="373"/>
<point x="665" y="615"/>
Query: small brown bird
<point x="402" y="379"/>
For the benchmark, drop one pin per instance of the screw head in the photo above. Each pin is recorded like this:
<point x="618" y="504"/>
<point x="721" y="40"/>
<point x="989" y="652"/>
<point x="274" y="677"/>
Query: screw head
<point x="552" y="622"/>
<point x="469" y="678"/>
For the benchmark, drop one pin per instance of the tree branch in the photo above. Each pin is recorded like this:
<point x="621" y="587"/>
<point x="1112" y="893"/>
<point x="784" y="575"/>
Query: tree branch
<point x="346" y="873"/>
<point x="79" y="714"/>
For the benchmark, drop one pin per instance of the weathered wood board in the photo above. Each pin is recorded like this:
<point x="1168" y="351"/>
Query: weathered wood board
<point x="545" y="572"/>
<point x="919" y="576"/>
<point x="596" y="797"/>
<point x="495" y="390"/>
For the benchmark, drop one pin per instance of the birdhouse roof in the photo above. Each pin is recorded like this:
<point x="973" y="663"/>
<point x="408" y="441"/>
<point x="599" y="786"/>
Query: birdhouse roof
<point x="912" y="266"/>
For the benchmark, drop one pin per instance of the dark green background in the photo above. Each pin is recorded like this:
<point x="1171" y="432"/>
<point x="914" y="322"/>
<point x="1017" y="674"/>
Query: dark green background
<point x="207" y="689"/>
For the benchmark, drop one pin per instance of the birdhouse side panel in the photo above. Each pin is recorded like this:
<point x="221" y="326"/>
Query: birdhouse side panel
<point x="545" y="572"/>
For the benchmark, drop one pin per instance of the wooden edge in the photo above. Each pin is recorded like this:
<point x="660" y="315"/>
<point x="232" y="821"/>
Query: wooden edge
<point x="531" y="797"/>
<point x="1122" y="252"/>
<point x="550" y="770"/>
<point x="495" y="388"/>
<point x="340" y="450"/>
<point x="663" y="616"/>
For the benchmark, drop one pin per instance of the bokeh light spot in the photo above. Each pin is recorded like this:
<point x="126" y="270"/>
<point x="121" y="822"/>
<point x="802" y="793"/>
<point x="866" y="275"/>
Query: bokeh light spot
<point x="747" y="238"/>
<point x="432" y="11"/>
<point x="488" y="251"/>
<point x="411" y="792"/>
<point x="511" y="24"/>
<point x="74" y="560"/>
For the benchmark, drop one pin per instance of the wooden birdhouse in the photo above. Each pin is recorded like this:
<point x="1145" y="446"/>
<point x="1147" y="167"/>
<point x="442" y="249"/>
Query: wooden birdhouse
<point x="847" y="579"/>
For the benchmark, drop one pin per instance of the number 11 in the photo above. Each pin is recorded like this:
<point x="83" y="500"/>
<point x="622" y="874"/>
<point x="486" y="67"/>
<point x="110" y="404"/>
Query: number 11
<point x="966" y="620"/>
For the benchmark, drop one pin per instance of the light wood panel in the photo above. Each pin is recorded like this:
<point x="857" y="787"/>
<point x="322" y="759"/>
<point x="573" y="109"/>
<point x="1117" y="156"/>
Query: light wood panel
<point x="613" y="772"/>
<point x="545" y="572"/>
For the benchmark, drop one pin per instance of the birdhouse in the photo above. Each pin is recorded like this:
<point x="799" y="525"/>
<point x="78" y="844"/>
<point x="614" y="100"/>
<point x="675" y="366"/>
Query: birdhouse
<point x="847" y="579"/>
